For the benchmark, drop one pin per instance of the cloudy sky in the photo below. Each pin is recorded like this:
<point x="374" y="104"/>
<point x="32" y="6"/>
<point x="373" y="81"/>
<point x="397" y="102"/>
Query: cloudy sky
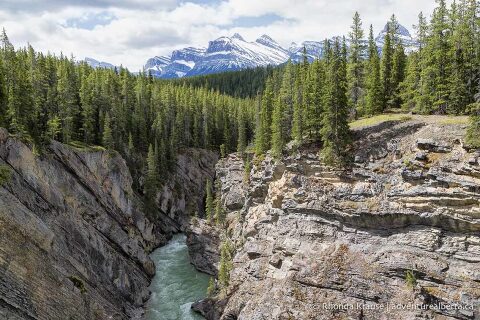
<point x="129" y="32"/>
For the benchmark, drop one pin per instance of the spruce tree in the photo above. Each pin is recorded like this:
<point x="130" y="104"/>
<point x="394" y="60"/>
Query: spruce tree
<point x="436" y="63"/>
<point x="242" y="134"/>
<point x="335" y="130"/>
<point x="3" y="96"/>
<point x="209" y="203"/>
<point x="278" y="140"/>
<point x="298" y="101"/>
<point x="409" y="88"/>
<point x="314" y="98"/>
<point x="264" y="127"/>
<point x="386" y="69"/>
<point x="398" y="74"/>
<point x="283" y="112"/>
<point x="225" y="264"/>
<point x="107" y="139"/>
<point x="150" y="187"/>
<point x="463" y="57"/>
<point x="356" y="66"/>
<point x="373" y="84"/>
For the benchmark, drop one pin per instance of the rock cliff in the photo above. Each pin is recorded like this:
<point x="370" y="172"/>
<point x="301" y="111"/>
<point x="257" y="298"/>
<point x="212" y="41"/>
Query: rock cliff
<point x="74" y="240"/>
<point x="395" y="237"/>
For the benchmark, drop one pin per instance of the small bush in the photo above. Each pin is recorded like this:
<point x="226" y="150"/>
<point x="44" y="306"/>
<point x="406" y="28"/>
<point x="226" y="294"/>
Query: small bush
<point x="472" y="138"/>
<point x="211" y="287"/>
<point x="410" y="279"/>
<point x="247" y="169"/>
<point x="77" y="282"/>
<point x="5" y="174"/>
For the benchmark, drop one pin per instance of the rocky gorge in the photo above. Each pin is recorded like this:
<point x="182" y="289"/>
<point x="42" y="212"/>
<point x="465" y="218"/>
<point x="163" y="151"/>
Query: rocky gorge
<point x="75" y="240"/>
<point x="401" y="227"/>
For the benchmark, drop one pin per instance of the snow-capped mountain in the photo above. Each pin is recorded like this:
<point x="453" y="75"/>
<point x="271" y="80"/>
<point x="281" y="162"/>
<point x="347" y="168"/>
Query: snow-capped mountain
<point x="157" y="65"/>
<point x="176" y="66"/>
<point x="98" y="64"/>
<point x="313" y="49"/>
<point x="235" y="53"/>
<point x="402" y="34"/>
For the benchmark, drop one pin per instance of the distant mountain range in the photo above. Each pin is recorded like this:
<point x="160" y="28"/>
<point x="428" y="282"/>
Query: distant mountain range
<point x="235" y="53"/>
<point x="98" y="64"/>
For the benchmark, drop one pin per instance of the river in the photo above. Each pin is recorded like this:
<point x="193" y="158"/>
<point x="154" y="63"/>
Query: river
<point x="176" y="285"/>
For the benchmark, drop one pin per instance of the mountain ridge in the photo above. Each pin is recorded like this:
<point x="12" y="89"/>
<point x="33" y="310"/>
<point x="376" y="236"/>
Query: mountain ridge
<point x="235" y="53"/>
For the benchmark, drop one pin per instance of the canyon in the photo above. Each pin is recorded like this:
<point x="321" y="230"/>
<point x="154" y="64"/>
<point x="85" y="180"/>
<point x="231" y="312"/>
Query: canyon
<point x="401" y="226"/>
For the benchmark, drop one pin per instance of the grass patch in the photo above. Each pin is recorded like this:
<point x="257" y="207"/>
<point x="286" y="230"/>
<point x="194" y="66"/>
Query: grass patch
<point x="82" y="146"/>
<point x="5" y="174"/>
<point x="371" y="121"/>
<point x="454" y="120"/>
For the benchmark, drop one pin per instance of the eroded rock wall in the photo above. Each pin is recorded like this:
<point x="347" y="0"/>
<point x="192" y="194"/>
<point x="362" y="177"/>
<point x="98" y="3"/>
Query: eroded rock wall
<point x="309" y="238"/>
<point x="74" y="240"/>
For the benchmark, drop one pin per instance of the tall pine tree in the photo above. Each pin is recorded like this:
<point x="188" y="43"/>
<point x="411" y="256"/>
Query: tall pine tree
<point x="356" y="66"/>
<point x="335" y="131"/>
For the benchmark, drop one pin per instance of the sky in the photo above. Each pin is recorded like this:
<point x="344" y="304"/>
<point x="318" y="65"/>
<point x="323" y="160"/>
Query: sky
<point x="128" y="32"/>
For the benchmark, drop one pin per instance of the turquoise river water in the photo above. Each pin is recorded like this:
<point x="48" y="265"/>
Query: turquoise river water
<point x="176" y="285"/>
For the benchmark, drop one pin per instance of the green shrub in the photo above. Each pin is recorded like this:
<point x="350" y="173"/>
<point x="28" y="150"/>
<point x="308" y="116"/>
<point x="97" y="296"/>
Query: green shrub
<point x="77" y="282"/>
<point x="211" y="287"/>
<point x="5" y="174"/>
<point x="473" y="132"/>
<point x="410" y="279"/>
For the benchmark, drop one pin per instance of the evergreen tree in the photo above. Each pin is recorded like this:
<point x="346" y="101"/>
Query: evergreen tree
<point x="386" y="69"/>
<point x="220" y="213"/>
<point x="398" y="74"/>
<point x="242" y="134"/>
<point x="211" y="287"/>
<point x="335" y="131"/>
<point x="150" y="181"/>
<point x="356" y="66"/>
<point x="278" y="140"/>
<point x="107" y="133"/>
<point x="264" y="124"/>
<point x="374" y="98"/>
<point x="315" y="84"/>
<point x="409" y="88"/>
<point x="209" y="203"/>
<point x="462" y="75"/>
<point x="422" y="31"/>
<point x="225" y="264"/>
<point x="283" y="112"/>
<point x="131" y="146"/>
<point x="297" y="120"/>
<point x="436" y="63"/>
<point x="54" y="128"/>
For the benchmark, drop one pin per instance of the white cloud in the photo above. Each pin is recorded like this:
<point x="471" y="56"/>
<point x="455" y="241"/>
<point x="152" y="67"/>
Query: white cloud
<point x="137" y="30"/>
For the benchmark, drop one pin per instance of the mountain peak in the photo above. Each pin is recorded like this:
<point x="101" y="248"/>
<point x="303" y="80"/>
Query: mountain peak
<point x="401" y="34"/>
<point x="266" y="37"/>
<point x="238" y="36"/>
<point x="267" y="41"/>
<point x="401" y="30"/>
<point x="98" y="64"/>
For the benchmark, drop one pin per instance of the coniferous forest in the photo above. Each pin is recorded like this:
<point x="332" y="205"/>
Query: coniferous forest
<point x="43" y="96"/>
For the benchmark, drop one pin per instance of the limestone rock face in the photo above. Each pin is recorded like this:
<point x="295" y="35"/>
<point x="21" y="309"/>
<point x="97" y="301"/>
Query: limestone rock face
<point x="203" y="242"/>
<point x="183" y="195"/>
<point x="310" y="239"/>
<point x="74" y="241"/>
